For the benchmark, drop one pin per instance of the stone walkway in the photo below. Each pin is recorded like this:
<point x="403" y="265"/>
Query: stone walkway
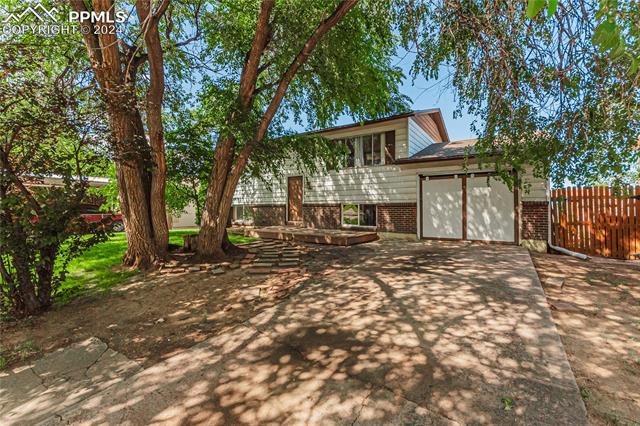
<point x="270" y="256"/>
<point x="391" y="332"/>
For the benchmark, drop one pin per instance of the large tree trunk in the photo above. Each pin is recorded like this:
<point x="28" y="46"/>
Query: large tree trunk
<point x="134" y="189"/>
<point x="141" y="167"/>
<point x="155" y="95"/>
<point x="214" y="219"/>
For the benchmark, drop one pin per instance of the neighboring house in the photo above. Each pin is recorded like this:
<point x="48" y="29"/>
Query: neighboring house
<point x="186" y="219"/>
<point x="403" y="175"/>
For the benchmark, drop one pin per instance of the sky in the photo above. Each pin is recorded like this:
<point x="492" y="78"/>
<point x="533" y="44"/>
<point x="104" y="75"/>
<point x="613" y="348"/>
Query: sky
<point x="424" y="95"/>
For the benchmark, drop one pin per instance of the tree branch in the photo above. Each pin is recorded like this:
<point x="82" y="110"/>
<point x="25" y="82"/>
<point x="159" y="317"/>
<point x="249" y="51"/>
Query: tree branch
<point x="249" y="74"/>
<point x="323" y="28"/>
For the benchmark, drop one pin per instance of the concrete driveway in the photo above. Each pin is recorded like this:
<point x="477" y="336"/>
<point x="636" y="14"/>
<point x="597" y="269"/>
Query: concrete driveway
<point x="392" y="332"/>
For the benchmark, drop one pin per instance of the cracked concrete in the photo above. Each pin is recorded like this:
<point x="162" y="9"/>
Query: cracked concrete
<point x="398" y="333"/>
<point x="60" y="379"/>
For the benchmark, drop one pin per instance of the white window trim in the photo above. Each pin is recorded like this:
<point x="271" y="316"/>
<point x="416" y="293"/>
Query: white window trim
<point x="346" y="225"/>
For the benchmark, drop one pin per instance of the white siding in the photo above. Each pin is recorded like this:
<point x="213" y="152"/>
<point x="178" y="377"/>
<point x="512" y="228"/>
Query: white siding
<point x="254" y="191"/>
<point x="418" y="138"/>
<point x="381" y="184"/>
<point x="375" y="184"/>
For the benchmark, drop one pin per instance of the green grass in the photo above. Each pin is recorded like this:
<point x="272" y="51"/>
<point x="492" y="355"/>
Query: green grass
<point x="97" y="269"/>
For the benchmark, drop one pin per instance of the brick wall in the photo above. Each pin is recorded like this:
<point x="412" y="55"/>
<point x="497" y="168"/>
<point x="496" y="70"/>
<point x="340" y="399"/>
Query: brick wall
<point x="535" y="220"/>
<point x="268" y="215"/>
<point x="397" y="217"/>
<point x="322" y="216"/>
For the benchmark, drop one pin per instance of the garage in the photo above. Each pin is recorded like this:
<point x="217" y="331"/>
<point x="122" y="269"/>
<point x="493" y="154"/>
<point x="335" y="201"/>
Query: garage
<point x="476" y="207"/>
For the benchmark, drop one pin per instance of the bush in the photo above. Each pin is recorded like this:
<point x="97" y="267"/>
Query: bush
<point x="46" y="149"/>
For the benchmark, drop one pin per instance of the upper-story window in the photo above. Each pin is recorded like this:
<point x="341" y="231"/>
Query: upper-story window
<point x="370" y="150"/>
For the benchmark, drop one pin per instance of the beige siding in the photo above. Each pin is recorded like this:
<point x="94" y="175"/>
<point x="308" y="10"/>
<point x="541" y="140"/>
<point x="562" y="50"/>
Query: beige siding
<point x="254" y="191"/>
<point x="187" y="219"/>
<point x="373" y="184"/>
<point x="378" y="184"/>
<point x="382" y="184"/>
<point x="537" y="188"/>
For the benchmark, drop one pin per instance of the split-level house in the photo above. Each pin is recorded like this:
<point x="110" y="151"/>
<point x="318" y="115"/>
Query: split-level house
<point x="403" y="175"/>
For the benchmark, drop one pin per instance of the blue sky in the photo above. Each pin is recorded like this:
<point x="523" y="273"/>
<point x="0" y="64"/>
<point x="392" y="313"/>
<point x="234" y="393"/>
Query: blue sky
<point x="426" y="94"/>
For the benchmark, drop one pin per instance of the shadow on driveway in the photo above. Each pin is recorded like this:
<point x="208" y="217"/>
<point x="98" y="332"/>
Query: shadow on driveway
<point x="388" y="332"/>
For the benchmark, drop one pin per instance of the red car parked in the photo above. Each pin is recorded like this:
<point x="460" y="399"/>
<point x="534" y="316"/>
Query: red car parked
<point x="112" y="220"/>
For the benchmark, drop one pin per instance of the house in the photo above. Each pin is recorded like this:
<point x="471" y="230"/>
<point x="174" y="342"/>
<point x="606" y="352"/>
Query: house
<point x="403" y="175"/>
<point x="186" y="219"/>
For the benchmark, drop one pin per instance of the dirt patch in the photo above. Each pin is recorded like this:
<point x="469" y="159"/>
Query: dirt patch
<point x="153" y="316"/>
<point x="596" y="306"/>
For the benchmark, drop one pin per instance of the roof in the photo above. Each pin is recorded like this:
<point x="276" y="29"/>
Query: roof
<point x="434" y="113"/>
<point x="443" y="151"/>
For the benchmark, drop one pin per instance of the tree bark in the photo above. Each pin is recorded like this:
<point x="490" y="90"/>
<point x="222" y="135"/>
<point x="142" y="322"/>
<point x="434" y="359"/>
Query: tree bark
<point x="155" y="96"/>
<point x="140" y="165"/>
<point x="227" y="169"/>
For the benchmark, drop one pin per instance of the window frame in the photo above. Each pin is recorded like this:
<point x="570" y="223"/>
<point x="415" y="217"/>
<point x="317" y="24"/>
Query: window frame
<point x="347" y="225"/>
<point x="358" y="147"/>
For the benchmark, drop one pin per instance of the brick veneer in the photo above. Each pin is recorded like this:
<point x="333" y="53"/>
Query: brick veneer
<point x="268" y="215"/>
<point x="535" y="220"/>
<point x="322" y="216"/>
<point x="399" y="217"/>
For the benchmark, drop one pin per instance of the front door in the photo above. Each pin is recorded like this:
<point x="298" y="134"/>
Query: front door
<point x="295" y="199"/>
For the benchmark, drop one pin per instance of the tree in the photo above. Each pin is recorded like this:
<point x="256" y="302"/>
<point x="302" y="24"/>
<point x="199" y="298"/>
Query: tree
<point x="190" y="142"/>
<point x="119" y="57"/>
<point x="313" y="58"/>
<point x="46" y="130"/>
<point x="559" y="92"/>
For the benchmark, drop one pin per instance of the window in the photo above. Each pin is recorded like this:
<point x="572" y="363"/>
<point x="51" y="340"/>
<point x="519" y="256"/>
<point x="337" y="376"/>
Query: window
<point x="371" y="151"/>
<point x="359" y="214"/>
<point x="367" y="150"/>
<point x="351" y="157"/>
<point x="241" y="215"/>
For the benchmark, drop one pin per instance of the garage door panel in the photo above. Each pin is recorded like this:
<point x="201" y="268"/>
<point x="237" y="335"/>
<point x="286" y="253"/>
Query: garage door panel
<point x="490" y="210"/>
<point x="442" y="208"/>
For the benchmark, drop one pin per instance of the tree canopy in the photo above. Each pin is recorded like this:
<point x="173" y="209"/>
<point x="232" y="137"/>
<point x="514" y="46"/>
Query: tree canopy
<point x="547" y="87"/>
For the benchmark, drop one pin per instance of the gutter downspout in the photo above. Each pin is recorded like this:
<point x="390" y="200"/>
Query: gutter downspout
<point x="556" y="248"/>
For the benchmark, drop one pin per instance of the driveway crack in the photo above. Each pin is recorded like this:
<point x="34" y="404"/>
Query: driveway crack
<point x="364" y="402"/>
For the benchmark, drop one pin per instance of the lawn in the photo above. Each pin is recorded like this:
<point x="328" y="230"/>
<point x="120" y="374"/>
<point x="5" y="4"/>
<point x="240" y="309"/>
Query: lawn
<point x="99" y="267"/>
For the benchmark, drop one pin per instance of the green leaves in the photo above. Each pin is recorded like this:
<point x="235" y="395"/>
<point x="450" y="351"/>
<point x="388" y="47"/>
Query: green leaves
<point x="559" y="95"/>
<point x="535" y="6"/>
<point x="606" y="36"/>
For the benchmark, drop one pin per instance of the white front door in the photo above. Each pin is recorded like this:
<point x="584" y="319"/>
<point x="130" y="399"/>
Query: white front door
<point x="442" y="208"/>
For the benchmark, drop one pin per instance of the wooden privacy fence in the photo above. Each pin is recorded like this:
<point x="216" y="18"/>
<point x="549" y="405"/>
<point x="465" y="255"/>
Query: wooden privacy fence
<point x="599" y="221"/>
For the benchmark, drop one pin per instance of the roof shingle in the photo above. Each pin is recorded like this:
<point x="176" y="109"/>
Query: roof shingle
<point x="444" y="151"/>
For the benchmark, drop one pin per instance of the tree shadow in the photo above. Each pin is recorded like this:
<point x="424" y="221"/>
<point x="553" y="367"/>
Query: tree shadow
<point x="388" y="332"/>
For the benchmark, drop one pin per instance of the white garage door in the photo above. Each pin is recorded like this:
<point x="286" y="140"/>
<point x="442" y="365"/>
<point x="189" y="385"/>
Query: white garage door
<point x="442" y="208"/>
<point x="490" y="210"/>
